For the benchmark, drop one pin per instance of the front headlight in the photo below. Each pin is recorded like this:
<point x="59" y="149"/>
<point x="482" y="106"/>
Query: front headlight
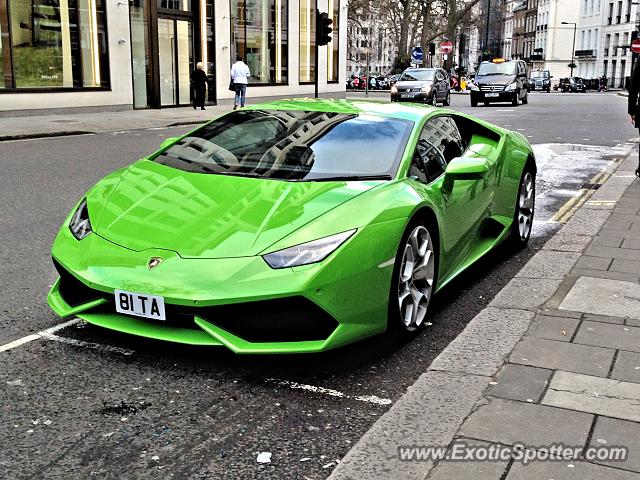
<point x="474" y="87"/>
<point x="310" y="252"/>
<point x="426" y="89"/>
<point x="80" y="225"/>
<point x="394" y="89"/>
<point x="511" y="87"/>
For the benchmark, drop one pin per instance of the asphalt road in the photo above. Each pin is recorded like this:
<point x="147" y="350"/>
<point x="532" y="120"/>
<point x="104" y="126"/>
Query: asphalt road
<point x="98" y="404"/>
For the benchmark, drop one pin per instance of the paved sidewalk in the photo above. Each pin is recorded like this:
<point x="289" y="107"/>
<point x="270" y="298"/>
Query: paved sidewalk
<point x="555" y="358"/>
<point x="15" y="128"/>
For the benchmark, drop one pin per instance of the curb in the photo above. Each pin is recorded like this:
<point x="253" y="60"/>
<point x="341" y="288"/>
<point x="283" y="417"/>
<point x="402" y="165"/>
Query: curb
<point x="433" y="409"/>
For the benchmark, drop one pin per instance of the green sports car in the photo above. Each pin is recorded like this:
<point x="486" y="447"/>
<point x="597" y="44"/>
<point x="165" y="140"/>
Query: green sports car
<point x="294" y="226"/>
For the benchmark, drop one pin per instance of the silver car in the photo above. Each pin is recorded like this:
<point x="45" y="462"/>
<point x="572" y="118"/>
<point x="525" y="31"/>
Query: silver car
<point x="427" y="85"/>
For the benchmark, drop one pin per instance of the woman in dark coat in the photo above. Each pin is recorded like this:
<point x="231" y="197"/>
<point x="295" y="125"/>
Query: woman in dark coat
<point x="199" y="82"/>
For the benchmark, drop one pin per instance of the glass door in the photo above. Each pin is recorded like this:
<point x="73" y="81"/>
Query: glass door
<point x="175" y="60"/>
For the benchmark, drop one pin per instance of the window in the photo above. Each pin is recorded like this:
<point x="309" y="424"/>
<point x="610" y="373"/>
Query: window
<point x="58" y="44"/>
<point x="619" y="15"/>
<point x="2" y="79"/>
<point x="307" y="40"/>
<point x="439" y="143"/>
<point x="610" y="19"/>
<point x="627" y="17"/>
<point x="292" y="145"/>
<point x="333" y="49"/>
<point x="259" y="32"/>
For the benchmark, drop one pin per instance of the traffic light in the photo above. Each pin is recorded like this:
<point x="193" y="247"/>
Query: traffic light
<point x="432" y="48"/>
<point x="323" y="29"/>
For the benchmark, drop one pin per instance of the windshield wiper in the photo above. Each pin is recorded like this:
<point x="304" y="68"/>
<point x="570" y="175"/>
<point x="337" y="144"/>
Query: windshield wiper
<point x="493" y="73"/>
<point x="346" y="178"/>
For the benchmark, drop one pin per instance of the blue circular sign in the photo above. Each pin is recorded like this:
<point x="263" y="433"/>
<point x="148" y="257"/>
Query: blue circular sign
<point x="417" y="55"/>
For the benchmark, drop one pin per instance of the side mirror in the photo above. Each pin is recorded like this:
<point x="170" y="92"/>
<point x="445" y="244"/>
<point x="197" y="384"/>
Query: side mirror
<point x="167" y="141"/>
<point x="463" y="168"/>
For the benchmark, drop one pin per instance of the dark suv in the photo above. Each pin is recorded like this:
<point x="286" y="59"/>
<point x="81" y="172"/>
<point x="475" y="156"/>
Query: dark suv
<point x="427" y="85"/>
<point x="500" y="81"/>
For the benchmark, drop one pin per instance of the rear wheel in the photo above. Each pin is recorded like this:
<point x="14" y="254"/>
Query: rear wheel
<point x="413" y="280"/>
<point x="524" y="209"/>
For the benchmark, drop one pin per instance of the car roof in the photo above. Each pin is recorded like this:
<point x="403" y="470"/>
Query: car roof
<point x="414" y="113"/>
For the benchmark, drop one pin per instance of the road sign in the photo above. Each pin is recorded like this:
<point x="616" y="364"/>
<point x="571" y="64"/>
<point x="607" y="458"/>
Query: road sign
<point x="417" y="55"/>
<point x="446" y="47"/>
<point x="635" y="46"/>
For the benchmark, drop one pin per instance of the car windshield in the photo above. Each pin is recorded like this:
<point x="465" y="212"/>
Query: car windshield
<point x="293" y="145"/>
<point x="417" y="75"/>
<point x="540" y="75"/>
<point x="506" y="68"/>
<point x="576" y="80"/>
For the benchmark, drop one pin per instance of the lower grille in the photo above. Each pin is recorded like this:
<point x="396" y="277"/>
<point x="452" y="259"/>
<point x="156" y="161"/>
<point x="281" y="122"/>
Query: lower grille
<point x="73" y="291"/>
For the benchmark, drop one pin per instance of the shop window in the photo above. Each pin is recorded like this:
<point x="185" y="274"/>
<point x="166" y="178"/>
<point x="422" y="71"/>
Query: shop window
<point x="259" y="32"/>
<point x="308" y="10"/>
<point x="59" y="43"/>
<point x="333" y="49"/>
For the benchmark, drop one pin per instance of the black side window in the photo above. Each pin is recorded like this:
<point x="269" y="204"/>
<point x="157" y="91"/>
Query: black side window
<point x="439" y="143"/>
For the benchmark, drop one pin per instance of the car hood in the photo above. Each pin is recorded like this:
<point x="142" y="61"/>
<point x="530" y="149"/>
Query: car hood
<point x="495" y="79"/>
<point x="209" y="216"/>
<point x="413" y="84"/>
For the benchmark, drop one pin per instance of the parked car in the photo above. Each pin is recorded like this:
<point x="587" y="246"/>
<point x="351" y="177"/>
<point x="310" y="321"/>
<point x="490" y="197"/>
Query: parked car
<point x="427" y="85"/>
<point x="572" y="84"/>
<point x="540" y="80"/>
<point x="500" y="81"/>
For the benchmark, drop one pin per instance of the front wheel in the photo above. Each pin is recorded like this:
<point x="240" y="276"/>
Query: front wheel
<point x="524" y="209"/>
<point x="413" y="280"/>
<point x="474" y="102"/>
<point x="515" y="102"/>
<point x="447" y="100"/>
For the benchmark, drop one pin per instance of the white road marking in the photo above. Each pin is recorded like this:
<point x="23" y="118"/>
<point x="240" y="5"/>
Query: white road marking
<point x="36" y="336"/>
<point x="91" y="345"/>
<point x="333" y="393"/>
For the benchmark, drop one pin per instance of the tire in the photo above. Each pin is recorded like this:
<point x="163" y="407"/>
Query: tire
<point x="524" y="209"/>
<point x="474" y="102"/>
<point x="525" y="100"/>
<point x="447" y="100"/>
<point x="515" y="102"/>
<point x="412" y="286"/>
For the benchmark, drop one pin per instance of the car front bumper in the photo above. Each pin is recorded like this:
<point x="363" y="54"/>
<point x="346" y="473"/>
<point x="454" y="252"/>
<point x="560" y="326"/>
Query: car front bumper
<point x="424" y="97"/>
<point x="240" y="303"/>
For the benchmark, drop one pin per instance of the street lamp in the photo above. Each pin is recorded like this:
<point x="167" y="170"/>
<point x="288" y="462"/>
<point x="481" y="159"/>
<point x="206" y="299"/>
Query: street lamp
<point x="573" y="48"/>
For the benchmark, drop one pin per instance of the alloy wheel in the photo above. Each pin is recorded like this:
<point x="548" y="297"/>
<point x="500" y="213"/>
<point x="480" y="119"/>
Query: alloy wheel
<point x="416" y="278"/>
<point x="526" y="206"/>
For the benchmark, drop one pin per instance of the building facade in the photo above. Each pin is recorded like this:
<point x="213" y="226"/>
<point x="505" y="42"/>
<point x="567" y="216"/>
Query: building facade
<point x="370" y="43"/>
<point x="119" y="54"/>
<point x="619" y="19"/>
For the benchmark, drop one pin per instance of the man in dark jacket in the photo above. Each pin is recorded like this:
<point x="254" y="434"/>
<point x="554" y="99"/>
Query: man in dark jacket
<point x="634" y="111"/>
<point x="199" y="83"/>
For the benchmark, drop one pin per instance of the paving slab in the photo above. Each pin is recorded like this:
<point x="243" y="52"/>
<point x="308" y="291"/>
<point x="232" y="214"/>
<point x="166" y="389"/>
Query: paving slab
<point x="606" y="335"/>
<point x="553" y="328"/>
<point x="627" y="367"/>
<point x="468" y="470"/>
<point x="525" y="293"/>
<point x="567" y="471"/>
<point x="538" y="352"/>
<point x="549" y="264"/>
<point x="594" y="263"/>
<point x="486" y="341"/>
<point x="610" y="252"/>
<point x="602" y="396"/>
<point x="613" y="432"/>
<point x="519" y="382"/>
<point x="631" y="243"/>
<point x="509" y="422"/>
<point x="625" y="277"/>
<point x="607" y="241"/>
<point x="603" y="318"/>
<point x="604" y="297"/>
<point x="552" y="312"/>
<point x="569" y="243"/>
<point x="632" y="322"/>
<point x="585" y="222"/>
<point x="625" y="266"/>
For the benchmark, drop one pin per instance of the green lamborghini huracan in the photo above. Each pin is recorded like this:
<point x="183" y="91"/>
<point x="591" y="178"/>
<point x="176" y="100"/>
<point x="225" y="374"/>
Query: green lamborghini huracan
<point x="294" y="226"/>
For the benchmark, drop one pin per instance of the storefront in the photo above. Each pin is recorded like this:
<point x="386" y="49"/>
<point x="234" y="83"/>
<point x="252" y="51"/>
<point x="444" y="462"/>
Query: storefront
<point x="119" y="54"/>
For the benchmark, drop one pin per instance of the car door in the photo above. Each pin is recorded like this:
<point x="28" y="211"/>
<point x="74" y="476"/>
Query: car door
<point x="464" y="206"/>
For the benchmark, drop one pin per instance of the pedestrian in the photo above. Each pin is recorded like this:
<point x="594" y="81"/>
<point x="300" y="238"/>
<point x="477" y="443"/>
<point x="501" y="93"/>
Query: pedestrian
<point x="199" y="84"/>
<point x="634" y="111"/>
<point x="603" y="84"/>
<point x="239" y="76"/>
